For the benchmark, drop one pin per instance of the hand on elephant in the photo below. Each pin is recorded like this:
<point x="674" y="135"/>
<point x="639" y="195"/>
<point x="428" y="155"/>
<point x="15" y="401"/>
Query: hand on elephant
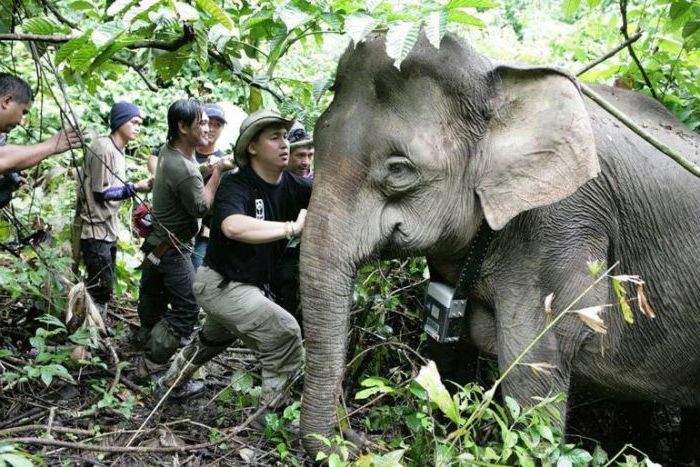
<point x="298" y="225"/>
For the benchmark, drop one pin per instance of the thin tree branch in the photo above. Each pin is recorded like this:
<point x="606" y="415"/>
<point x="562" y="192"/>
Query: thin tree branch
<point x="685" y="163"/>
<point x="633" y="54"/>
<point x="170" y="46"/>
<point x="57" y="14"/>
<point x="614" y="51"/>
<point x="242" y="76"/>
<point x="22" y="37"/>
<point x="138" y="69"/>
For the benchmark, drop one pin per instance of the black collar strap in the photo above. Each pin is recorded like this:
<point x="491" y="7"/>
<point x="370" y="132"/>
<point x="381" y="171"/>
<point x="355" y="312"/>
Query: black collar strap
<point x="473" y="262"/>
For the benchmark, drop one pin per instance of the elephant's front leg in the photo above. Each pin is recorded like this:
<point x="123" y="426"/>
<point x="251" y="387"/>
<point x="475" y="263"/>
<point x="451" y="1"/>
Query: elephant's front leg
<point x="534" y="363"/>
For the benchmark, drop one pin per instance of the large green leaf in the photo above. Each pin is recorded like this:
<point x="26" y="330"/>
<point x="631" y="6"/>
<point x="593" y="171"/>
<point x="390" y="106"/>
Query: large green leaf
<point x="168" y="64"/>
<point x="118" y="6"/>
<point x="460" y="16"/>
<point x="106" y="33"/>
<point x="358" y="26"/>
<point x="292" y="17"/>
<point x="320" y="86"/>
<point x="569" y="7"/>
<point x="436" y="26"/>
<point x="201" y="47"/>
<point x="400" y="39"/>
<point x="69" y="48"/>
<point x="82" y="58"/>
<point x="216" y="12"/>
<point x="144" y="6"/>
<point x="471" y="4"/>
<point x="43" y="25"/>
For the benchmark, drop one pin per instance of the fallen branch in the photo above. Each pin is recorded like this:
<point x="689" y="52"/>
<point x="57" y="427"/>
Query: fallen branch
<point x="614" y="51"/>
<point x="57" y="429"/>
<point x="682" y="161"/>
<point x="117" y="366"/>
<point x="140" y="449"/>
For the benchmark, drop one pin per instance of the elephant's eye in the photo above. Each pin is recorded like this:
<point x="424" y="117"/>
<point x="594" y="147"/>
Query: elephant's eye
<point x="401" y="175"/>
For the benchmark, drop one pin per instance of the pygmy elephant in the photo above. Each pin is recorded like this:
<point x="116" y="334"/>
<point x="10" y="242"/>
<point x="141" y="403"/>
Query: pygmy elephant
<point x="412" y="161"/>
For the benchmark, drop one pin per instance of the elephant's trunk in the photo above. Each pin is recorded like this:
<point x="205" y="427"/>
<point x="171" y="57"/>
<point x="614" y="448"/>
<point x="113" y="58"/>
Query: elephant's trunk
<point x="326" y="291"/>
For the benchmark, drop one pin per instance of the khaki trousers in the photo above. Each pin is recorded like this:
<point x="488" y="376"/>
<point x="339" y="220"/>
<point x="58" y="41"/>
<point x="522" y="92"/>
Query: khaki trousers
<point x="234" y="309"/>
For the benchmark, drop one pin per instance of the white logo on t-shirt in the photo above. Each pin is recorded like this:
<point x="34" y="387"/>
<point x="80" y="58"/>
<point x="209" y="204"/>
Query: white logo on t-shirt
<point x="259" y="209"/>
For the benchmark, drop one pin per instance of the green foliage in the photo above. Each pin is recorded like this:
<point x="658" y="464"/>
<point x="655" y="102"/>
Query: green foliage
<point x="12" y="456"/>
<point x="669" y="50"/>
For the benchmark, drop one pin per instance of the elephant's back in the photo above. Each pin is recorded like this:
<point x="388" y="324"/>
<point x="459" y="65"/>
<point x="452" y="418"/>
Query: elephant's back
<point x="650" y="115"/>
<point x="653" y="205"/>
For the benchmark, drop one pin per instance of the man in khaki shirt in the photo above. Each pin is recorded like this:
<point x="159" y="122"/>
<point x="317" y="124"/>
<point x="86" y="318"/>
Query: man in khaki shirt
<point x="101" y="191"/>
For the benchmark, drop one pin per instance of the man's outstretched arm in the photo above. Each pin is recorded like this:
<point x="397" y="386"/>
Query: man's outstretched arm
<point x="14" y="157"/>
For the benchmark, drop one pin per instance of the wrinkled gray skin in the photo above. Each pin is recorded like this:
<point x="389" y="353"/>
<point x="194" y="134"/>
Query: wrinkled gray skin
<point x="411" y="162"/>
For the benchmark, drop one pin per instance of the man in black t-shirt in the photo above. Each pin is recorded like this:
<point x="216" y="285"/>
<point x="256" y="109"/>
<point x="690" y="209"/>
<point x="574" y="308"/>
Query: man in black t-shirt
<point x="258" y="215"/>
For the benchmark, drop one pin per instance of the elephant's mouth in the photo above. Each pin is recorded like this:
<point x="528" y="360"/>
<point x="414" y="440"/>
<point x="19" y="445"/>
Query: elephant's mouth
<point x="398" y="238"/>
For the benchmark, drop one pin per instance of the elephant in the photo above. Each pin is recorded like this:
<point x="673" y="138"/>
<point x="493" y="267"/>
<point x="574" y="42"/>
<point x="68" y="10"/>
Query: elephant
<point x="412" y="160"/>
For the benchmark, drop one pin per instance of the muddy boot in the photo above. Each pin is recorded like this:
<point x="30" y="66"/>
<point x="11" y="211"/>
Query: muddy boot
<point x="186" y="363"/>
<point x="146" y="370"/>
<point x="139" y="337"/>
<point x="162" y="342"/>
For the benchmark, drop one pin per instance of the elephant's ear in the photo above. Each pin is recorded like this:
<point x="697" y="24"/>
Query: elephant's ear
<point x="538" y="146"/>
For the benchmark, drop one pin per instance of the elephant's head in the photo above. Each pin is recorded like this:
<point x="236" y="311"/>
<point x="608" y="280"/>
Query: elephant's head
<point x="410" y="162"/>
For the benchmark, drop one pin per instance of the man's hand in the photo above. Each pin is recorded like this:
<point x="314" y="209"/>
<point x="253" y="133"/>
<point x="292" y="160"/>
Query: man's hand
<point x="144" y="186"/>
<point x="225" y="164"/>
<point x="298" y="225"/>
<point x="64" y="140"/>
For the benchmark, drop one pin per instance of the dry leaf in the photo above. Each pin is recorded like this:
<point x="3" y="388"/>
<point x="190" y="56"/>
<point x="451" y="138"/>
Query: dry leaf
<point x="548" y="304"/>
<point x="591" y="317"/>
<point x="541" y="367"/>
<point x="79" y="353"/>
<point x="628" y="278"/>
<point x="643" y="303"/>
<point x="248" y="455"/>
<point x="169" y="439"/>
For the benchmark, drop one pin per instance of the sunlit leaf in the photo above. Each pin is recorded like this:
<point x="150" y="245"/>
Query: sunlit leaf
<point x="186" y="12"/>
<point x="320" y="86"/>
<point x="216" y="12"/>
<point x="292" y="17"/>
<point x="118" y="6"/>
<point x="400" y="39"/>
<point x="569" y="7"/>
<point x="513" y="407"/>
<point x="429" y="378"/>
<point x="43" y="25"/>
<point x="143" y="7"/>
<point x="471" y="4"/>
<point x="70" y="47"/>
<point x="459" y="16"/>
<point x="358" y="26"/>
<point x="436" y="26"/>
